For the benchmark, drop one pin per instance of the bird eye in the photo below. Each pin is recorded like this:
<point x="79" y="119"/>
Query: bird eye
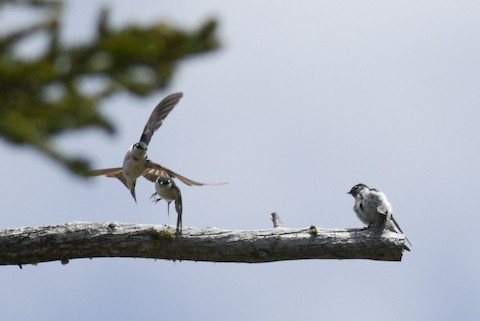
<point x="163" y="181"/>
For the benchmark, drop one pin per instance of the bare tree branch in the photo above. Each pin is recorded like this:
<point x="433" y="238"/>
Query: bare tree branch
<point x="31" y="245"/>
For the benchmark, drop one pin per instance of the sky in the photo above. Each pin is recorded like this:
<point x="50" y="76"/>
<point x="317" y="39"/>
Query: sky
<point x="303" y="101"/>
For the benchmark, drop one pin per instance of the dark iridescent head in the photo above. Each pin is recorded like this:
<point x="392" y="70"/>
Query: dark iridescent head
<point x="165" y="181"/>
<point x="357" y="189"/>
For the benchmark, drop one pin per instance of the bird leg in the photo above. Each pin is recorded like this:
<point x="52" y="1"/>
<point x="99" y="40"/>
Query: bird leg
<point x="156" y="200"/>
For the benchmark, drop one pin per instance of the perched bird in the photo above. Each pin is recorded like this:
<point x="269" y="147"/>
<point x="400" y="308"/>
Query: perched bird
<point x="136" y="162"/>
<point x="167" y="190"/>
<point x="374" y="210"/>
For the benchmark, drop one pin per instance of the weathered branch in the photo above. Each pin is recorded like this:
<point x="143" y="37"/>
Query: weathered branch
<point x="31" y="245"/>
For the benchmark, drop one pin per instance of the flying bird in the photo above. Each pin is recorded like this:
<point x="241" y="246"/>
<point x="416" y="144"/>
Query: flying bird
<point x="136" y="162"/>
<point x="373" y="209"/>
<point x="167" y="190"/>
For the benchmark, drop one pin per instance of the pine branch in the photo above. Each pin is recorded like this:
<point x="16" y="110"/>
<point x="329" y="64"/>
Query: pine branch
<point x="46" y="93"/>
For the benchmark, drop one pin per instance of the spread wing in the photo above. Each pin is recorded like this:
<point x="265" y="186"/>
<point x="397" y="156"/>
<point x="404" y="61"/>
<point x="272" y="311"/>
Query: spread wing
<point x="154" y="170"/>
<point x="109" y="172"/>
<point x="157" y="116"/>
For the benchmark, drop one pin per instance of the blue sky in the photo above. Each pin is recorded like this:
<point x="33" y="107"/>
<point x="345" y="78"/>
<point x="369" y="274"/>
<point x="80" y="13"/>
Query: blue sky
<point x="303" y="101"/>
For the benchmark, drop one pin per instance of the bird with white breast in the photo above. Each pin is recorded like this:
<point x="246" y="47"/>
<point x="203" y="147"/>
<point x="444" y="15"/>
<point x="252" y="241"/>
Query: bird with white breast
<point x="373" y="209"/>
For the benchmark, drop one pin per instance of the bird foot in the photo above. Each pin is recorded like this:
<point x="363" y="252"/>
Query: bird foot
<point x="156" y="200"/>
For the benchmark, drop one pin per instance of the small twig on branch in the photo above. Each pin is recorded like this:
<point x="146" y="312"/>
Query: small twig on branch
<point x="33" y="245"/>
<point x="277" y="222"/>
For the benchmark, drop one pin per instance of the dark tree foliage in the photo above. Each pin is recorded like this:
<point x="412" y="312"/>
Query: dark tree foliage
<point x="43" y="97"/>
